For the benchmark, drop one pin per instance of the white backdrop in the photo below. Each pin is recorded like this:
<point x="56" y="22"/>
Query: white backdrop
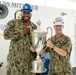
<point x="46" y="16"/>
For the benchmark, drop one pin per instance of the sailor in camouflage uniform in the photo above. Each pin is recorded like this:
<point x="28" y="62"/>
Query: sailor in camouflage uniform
<point x="20" y="56"/>
<point x="60" y="48"/>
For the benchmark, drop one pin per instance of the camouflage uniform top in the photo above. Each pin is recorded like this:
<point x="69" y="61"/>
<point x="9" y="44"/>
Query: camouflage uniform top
<point x="19" y="57"/>
<point x="60" y="64"/>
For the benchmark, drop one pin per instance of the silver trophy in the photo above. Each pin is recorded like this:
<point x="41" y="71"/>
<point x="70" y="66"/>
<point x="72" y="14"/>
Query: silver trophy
<point x="39" y="39"/>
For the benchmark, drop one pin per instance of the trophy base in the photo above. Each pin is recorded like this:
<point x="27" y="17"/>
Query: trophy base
<point x="38" y="71"/>
<point x="38" y="66"/>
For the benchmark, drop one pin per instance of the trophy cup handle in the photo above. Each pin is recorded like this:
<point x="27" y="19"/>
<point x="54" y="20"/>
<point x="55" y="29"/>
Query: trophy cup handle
<point x="50" y="30"/>
<point x="49" y="37"/>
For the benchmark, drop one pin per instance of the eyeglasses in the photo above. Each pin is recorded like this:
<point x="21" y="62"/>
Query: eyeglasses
<point x="58" y="25"/>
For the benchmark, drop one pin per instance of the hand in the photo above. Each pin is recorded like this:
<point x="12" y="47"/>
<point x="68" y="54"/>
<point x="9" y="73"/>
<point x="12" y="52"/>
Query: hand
<point x="49" y="44"/>
<point x="26" y="30"/>
<point x="32" y="49"/>
<point x="43" y="52"/>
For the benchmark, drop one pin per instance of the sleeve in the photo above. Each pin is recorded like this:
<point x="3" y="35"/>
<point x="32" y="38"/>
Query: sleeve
<point x="11" y="32"/>
<point x="67" y="45"/>
<point x="33" y="26"/>
<point x="48" y="49"/>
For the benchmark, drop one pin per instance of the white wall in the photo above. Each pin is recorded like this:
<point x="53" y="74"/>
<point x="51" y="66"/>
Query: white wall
<point x="46" y="16"/>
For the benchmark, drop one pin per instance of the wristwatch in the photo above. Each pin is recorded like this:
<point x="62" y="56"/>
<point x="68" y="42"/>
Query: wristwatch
<point x="53" y="47"/>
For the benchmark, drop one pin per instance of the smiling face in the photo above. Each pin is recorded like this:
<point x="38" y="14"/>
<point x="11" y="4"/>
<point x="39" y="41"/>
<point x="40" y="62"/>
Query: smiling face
<point x="26" y="16"/>
<point x="58" y="29"/>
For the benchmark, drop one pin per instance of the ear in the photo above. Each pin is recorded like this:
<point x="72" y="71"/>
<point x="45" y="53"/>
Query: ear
<point x="63" y="26"/>
<point x="31" y="14"/>
<point x="21" y="15"/>
<point x="54" y="26"/>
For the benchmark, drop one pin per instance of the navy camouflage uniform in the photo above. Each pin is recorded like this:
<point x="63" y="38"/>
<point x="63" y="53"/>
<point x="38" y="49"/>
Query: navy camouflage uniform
<point x="60" y="65"/>
<point x="19" y="57"/>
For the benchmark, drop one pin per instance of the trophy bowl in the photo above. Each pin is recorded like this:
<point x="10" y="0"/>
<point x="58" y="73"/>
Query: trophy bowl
<point x="38" y="39"/>
<point x="38" y="42"/>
